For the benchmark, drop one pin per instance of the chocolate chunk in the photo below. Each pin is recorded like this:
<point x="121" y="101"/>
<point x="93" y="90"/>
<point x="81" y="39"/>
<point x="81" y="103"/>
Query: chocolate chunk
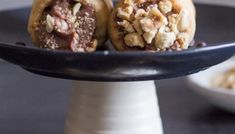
<point x="201" y="44"/>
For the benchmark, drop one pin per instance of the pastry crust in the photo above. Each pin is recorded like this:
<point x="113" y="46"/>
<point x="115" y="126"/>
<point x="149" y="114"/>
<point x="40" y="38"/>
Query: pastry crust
<point x="118" y="37"/>
<point x="102" y="10"/>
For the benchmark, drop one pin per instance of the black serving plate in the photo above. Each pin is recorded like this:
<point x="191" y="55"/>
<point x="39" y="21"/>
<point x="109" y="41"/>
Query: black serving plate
<point x="215" y="25"/>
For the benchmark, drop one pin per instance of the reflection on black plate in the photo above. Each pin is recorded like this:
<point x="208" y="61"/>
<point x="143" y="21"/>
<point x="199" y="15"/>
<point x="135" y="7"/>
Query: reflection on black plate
<point x="215" y="26"/>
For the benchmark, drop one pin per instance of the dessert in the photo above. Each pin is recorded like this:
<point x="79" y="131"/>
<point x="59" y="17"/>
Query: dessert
<point x="225" y="80"/>
<point x="152" y="25"/>
<point x="76" y="25"/>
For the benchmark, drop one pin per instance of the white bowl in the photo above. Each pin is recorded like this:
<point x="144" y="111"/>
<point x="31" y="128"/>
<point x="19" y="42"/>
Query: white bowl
<point x="201" y="83"/>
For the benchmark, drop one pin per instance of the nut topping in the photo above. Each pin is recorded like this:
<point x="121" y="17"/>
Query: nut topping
<point x="147" y="24"/>
<point x="76" y="8"/>
<point x="125" y="13"/>
<point x="172" y="23"/>
<point x="149" y="36"/>
<point x="82" y="1"/>
<point x="140" y="14"/>
<point x="50" y="22"/>
<point x="164" y="39"/>
<point x="183" y="40"/>
<point x="129" y="2"/>
<point x="93" y="46"/>
<point x="137" y="27"/>
<point x="64" y="25"/>
<point x="128" y="27"/>
<point x="159" y="18"/>
<point x="134" y="40"/>
<point x="165" y="6"/>
<point x="160" y="24"/>
<point x="141" y="1"/>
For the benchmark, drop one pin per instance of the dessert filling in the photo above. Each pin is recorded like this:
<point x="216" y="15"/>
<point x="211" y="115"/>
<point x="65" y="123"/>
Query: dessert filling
<point x="68" y="25"/>
<point x="158" y="25"/>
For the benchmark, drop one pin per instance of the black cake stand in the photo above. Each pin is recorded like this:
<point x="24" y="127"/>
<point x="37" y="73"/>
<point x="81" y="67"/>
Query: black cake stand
<point x="124" y="100"/>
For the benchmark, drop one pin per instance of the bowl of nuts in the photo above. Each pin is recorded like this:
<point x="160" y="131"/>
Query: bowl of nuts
<point x="217" y="85"/>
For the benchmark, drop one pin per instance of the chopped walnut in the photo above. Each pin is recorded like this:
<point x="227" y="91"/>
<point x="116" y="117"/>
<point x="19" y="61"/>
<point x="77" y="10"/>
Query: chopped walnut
<point x="165" y="6"/>
<point x="137" y="27"/>
<point x="141" y="1"/>
<point x="159" y="18"/>
<point x="140" y="14"/>
<point x="149" y="36"/>
<point x="172" y="23"/>
<point x="134" y="40"/>
<point x="125" y="13"/>
<point x="93" y="46"/>
<point x="161" y="23"/>
<point x="183" y="40"/>
<point x="147" y="24"/>
<point x="164" y="39"/>
<point x="153" y="10"/>
<point x="129" y="2"/>
<point x="127" y="26"/>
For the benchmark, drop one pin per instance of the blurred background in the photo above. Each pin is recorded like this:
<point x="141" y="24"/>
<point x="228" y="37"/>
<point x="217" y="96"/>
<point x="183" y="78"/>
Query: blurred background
<point x="32" y="104"/>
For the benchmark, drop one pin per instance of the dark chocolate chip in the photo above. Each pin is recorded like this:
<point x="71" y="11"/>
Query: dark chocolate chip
<point x="201" y="44"/>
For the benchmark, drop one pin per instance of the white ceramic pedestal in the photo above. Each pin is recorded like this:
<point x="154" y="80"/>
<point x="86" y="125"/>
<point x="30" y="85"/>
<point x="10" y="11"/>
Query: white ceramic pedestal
<point x="114" y="108"/>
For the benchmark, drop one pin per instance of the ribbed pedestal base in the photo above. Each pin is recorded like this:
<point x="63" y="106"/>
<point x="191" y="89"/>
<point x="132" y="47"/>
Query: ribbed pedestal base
<point x="114" y="108"/>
